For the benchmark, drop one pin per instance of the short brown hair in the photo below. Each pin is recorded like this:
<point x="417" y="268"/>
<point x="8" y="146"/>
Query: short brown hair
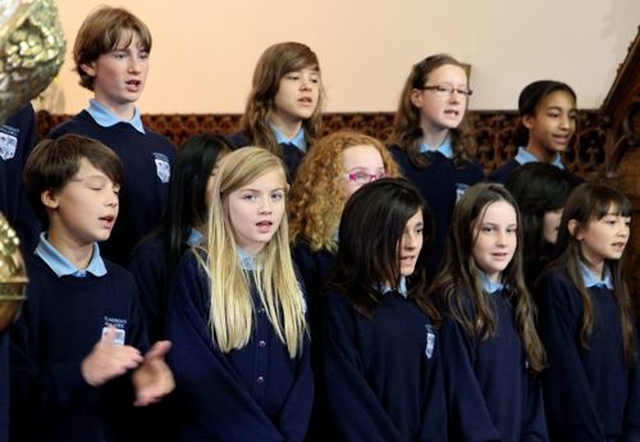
<point x="53" y="163"/>
<point x="100" y="34"/>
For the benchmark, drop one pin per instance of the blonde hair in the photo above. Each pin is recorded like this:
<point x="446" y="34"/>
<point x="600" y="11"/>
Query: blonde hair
<point x="232" y="308"/>
<point x="317" y="193"/>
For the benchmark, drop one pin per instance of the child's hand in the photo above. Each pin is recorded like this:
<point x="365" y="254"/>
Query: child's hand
<point x="109" y="359"/>
<point x="153" y="379"/>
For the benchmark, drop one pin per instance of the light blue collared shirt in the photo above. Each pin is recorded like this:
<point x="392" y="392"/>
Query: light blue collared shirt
<point x="195" y="238"/>
<point x="489" y="285"/>
<point x="444" y="148"/>
<point x="402" y="287"/>
<point x="246" y="261"/>
<point x="61" y="266"/>
<point x="524" y="157"/>
<point x="591" y="280"/>
<point x="299" y="141"/>
<point x="105" y="118"/>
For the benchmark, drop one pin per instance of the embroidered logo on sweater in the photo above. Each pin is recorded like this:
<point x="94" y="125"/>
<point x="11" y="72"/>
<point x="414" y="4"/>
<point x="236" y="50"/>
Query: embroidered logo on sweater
<point x="8" y="142"/>
<point x="431" y="341"/>
<point x="461" y="188"/>
<point x="119" y="326"/>
<point x="163" y="168"/>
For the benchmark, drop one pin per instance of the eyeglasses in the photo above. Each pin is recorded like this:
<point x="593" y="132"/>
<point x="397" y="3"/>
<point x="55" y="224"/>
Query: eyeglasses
<point x="445" y="90"/>
<point x="361" y="178"/>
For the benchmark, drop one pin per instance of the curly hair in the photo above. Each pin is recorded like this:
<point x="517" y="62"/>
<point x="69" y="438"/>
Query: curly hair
<point x="317" y="195"/>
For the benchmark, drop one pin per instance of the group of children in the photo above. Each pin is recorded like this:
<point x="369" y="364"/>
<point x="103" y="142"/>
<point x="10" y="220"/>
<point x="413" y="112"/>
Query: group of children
<point x="283" y="285"/>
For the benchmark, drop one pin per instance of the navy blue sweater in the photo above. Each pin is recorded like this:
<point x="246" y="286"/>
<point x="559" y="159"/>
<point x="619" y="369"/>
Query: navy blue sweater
<point x="149" y="268"/>
<point x="590" y="395"/>
<point x="291" y="155"/>
<point x="314" y="270"/>
<point x="257" y="393"/>
<point x="18" y="137"/>
<point x="145" y="186"/>
<point x="382" y="374"/>
<point x="61" y="321"/>
<point x="490" y="393"/>
<point x="439" y="184"/>
<point x="502" y="173"/>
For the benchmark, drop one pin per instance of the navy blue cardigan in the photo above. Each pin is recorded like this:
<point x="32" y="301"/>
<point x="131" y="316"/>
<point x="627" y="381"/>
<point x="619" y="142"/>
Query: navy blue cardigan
<point x="256" y="393"/>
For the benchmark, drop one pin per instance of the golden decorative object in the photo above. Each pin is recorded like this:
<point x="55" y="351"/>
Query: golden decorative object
<point x="32" y="49"/>
<point x="13" y="277"/>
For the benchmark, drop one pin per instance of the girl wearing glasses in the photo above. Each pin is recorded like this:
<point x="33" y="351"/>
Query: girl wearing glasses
<point x="431" y="143"/>
<point x="338" y="165"/>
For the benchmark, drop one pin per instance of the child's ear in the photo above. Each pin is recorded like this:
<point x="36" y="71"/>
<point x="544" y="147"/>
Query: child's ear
<point x="527" y="121"/>
<point x="49" y="199"/>
<point x="574" y="229"/>
<point x="89" y="68"/>
<point x="416" y="97"/>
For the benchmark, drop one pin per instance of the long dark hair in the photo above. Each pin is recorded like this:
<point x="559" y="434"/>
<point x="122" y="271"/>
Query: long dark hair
<point x="459" y="272"/>
<point x="538" y="188"/>
<point x="588" y="203"/>
<point x="371" y="228"/>
<point x="186" y="203"/>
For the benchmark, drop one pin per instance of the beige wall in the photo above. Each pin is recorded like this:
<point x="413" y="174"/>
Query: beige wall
<point x="204" y="51"/>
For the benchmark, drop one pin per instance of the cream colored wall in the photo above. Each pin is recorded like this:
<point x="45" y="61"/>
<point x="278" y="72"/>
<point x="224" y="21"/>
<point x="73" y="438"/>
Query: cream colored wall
<point x="204" y="51"/>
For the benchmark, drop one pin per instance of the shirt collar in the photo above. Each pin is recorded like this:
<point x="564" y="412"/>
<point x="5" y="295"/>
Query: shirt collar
<point x="195" y="238"/>
<point x="591" y="280"/>
<point x="246" y="261"/>
<point x="489" y="285"/>
<point x="402" y="287"/>
<point x="524" y="157"/>
<point x="444" y="148"/>
<point x="61" y="266"/>
<point x="298" y="140"/>
<point x="105" y="118"/>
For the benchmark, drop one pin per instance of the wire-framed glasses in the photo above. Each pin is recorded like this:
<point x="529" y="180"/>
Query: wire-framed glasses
<point x="445" y="90"/>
